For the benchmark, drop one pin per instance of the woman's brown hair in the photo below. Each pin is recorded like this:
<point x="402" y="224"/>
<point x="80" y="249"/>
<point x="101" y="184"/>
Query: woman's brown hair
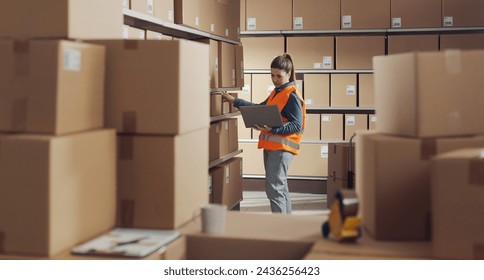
<point x="284" y="62"/>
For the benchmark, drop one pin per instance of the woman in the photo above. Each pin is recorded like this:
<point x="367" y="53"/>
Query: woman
<point x="280" y="144"/>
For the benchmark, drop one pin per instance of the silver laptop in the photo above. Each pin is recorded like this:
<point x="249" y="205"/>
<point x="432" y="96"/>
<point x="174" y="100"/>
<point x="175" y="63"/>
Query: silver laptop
<point x="261" y="115"/>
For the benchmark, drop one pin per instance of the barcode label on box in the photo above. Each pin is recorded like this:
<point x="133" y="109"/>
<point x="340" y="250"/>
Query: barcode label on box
<point x="326" y="118"/>
<point x="346" y="21"/>
<point x="171" y="15"/>
<point x="197" y="21"/>
<point x="350" y="89"/>
<point x="298" y="23"/>
<point x="233" y="77"/>
<point x="246" y="89"/>
<point x="212" y="27"/>
<point x="308" y="101"/>
<point x="251" y="24"/>
<point x="318" y="66"/>
<point x="324" y="151"/>
<point x="396" y="22"/>
<point x="373" y="118"/>
<point x="72" y="60"/>
<point x="448" y="21"/>
<point x="327" y="62"/>
<point x="210" y="184"/>
<point x="150" y="7"/>
<point x="226" y="32"/>
<point x="227" y="174"/>
<point x="350" y="120"/>
<point x="216" y="63"/>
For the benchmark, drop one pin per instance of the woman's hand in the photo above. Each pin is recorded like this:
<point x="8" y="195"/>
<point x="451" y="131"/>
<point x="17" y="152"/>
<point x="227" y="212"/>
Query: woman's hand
<point x="228" y="97"/>
<point x="263" y="128"/>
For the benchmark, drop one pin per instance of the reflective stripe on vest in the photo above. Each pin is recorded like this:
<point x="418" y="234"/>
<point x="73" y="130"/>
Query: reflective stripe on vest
<point x="283" y="141"/>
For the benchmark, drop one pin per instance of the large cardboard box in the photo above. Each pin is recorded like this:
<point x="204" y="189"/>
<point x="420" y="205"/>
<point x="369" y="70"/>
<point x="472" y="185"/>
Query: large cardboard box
<point x="313" y="126"/>
<point x="461" y="13"/>
<point x="311" y="161"/>
<point x="233" y="138"/>
<point x="416" y="13"/>
<point x="457" y="195"/>
<point x="262" y="87"/>
<point x="230" y="16"/>
<point x="260" y="51"/>
<point x="213" y="62"/>
<point x="162" y="180"/>
<point x="51" y="87"/>
<point x="462" y="41"/>
<point x="312" y="52"/>
<point x="226" y="58"/>
<point x="268" y="15"/>
<point x="366" y="91"/>
<point x="358" y="52"/>
<point x="412" y="43"/>
<point x="218" y="140"/>
<point x="332" y="127"/>
<point x="156" y="87"/>
<point x="428" y="94"/>
<point x="341" y="160"/>
<point x="73" y="19"/>
<point x="316" y="90"/>
<point x="192" y="13"/>
<point x="355" y="124"/>
<point x="368" y="14"/>
<point x="344" y="90"/>
<point x="56" y="192"/>
<point x="316" y="14"/>
<point x="227" y="183"/>
<point x="253" y="159"/>
<point x="239" y="66"/>
<point x="215" y="104"/>
<point x="393" y="182"/>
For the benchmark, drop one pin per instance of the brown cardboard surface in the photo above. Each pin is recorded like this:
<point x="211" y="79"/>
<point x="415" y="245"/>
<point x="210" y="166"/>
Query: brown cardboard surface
<point x="357" y="52"/>
<point x="226" y="57"/>
<point x="366" y="91"/>
<point x="456" y="204"/>
<point x="416" y="13"/>
<point x="269" y="15"/>
<point x="214" y="61"/>
<point x="227" y="182"/>
<point x="259" y="52"/>
<point x="462" y="41"/>
<point x="219" y="140"/>
<point x="316" y="14"/>
<point x="406" y="86"/>
<point x="239" y="66"/>
<point x="215" y="105"/>
<point x="155" y="86"/>
<point x="164" y="9"/>
<point x="463" y="12"/>
<point x="316" y="90"/>
<point x="51" y="87"/>
<point x="313" y="127"/>
<point x="354" y="123"/>
<point x="62" y="189"/>
<point x="338" y="160"/>
<point x="393" y="182"/>
<point x="242" y="15"/>
<point x="412" y="43"/>
<point x="189" y="13"/>
<point x="311" y="161"/>
<point x="332" y="127"/>
<point x="162" y="180"/>
<point x="253" y="159"/>
<point x="236" y="179"/>
<point x="368" y="14"/>
<point x="262" y="87"/>
<point x="233" y="138"/>
<point x="133" y="33"/>
<point x="311" y="52"/>
<point x="344" y="90"/>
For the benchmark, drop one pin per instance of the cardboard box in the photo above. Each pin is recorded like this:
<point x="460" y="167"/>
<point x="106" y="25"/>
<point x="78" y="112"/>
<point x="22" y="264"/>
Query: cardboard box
<point x="332" y="127"/>
<point x="358" y="52"/>
<point x="51" y="87"/>
<point x="457" y="229"/>
<point x="406" y="86"/>
<point x="313" y="127"/>
<point x="316" y="90"/>
<point x="155" y="87"/>
<point x="151" y="35"/>
<point x="242" y="15"/>
<point x="162" y="180"/>
<point x="416" y="13"/>
<point x="226" y="107"/>
<point x="268" y="15"/>
<point x="165" y="10"/>
<point x="312" y="52"/>
<point x="214" y="60"/>
<point x="355" y="124"/>
<point x="262" y="87"/>
<point x="316" y="14"/>
<point x="462" y="41"/>
<point x="72" y="19"/>
<point x="233" y="138"/>
<point x="215" y="104"/>
<point x="227" y="183"/>
<point x="368" y="14"/>
<point x="239" y="66"/>
<point x="344" y="90"/>
<point x="372" y="122"/>
<point x="461" y="13"/>
<point x="412" y="43"/>
<point x="243" y="132"/>
<point x="236" y="179"/>
<point x="219" y="140"/>
<point x="189" y="13"/>
<point x="259" y="52"/>
<point x="335" y="185"/>
<point x="311" y="161"/>
<point x="339" y="164"/>
<point x="253" y="159"/>
<point x="366" y="91"/>
<point x="133" y="33"/>
<point x="393" y="182"/>
<point x="229" y="15"/>
<point x="56" y="192"/>
<point x="226" y="58"/>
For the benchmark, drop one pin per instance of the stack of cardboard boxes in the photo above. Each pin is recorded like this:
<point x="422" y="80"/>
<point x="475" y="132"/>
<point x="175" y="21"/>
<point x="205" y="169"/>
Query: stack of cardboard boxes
<point x="57" y="163"/>
<point x="427" y="104"/>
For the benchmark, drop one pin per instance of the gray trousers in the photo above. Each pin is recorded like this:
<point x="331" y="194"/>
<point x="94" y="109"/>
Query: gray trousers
<point x="276" y="164"/>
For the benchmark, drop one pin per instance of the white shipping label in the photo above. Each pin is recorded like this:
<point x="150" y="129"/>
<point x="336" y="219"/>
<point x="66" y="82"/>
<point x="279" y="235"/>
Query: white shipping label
<point x="216" y="63"/>
<point x="327" y="62"/>
<point x="246" y="89"/>
<point x="197" y="21"/>
<point x="324" y="151"/>
<point x="242" y="70"/>
<point x="373" y="118"/>
<point x="270" y="89"/>
<point x="125" y="3"/>
<point x="308" y="101"/>
<point x="72" y="60"/>
<point x="251" y="24"/>
<point x="318" y="66"/>
<point x="227" y="174"/>
<point x="448" y="21"/>
<point x="125" y="32"/>
<point x="350" y="120"/>
<point x="150" y="7"/>
<point x="212" y="27"/>
<point x="396" y="22"/>
<point x="326" y="118"/>
<point x="233" y="77"/>
<point x="346" y="21"/>
<point x="350" y="89"/>
<point x="298" y="23"/>
<point x="210" y="184"/>
<point x="171" y="15"/>
<point x="226" y="32"/>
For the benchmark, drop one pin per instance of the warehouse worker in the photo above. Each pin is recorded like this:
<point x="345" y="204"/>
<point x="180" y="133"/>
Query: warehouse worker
<point x="280" y="144"/>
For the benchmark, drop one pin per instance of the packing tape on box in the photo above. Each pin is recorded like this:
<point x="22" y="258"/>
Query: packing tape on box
<point x="478" y="251"/>
<point x="130" y="44"/>
<point x="129" y="121"/>
<point x="453" y="61"/>
<point x="476" y="171"/>
<point x="428" y="148"/>
<point x="21" y="50"/>
<point x="19" y="115"/>
<point x="126" y="147"/>
<point x="127" y="212"/>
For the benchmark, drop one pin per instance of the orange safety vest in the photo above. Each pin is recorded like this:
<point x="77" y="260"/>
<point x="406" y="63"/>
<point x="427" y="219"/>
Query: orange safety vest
<point x="287" y="142"/>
